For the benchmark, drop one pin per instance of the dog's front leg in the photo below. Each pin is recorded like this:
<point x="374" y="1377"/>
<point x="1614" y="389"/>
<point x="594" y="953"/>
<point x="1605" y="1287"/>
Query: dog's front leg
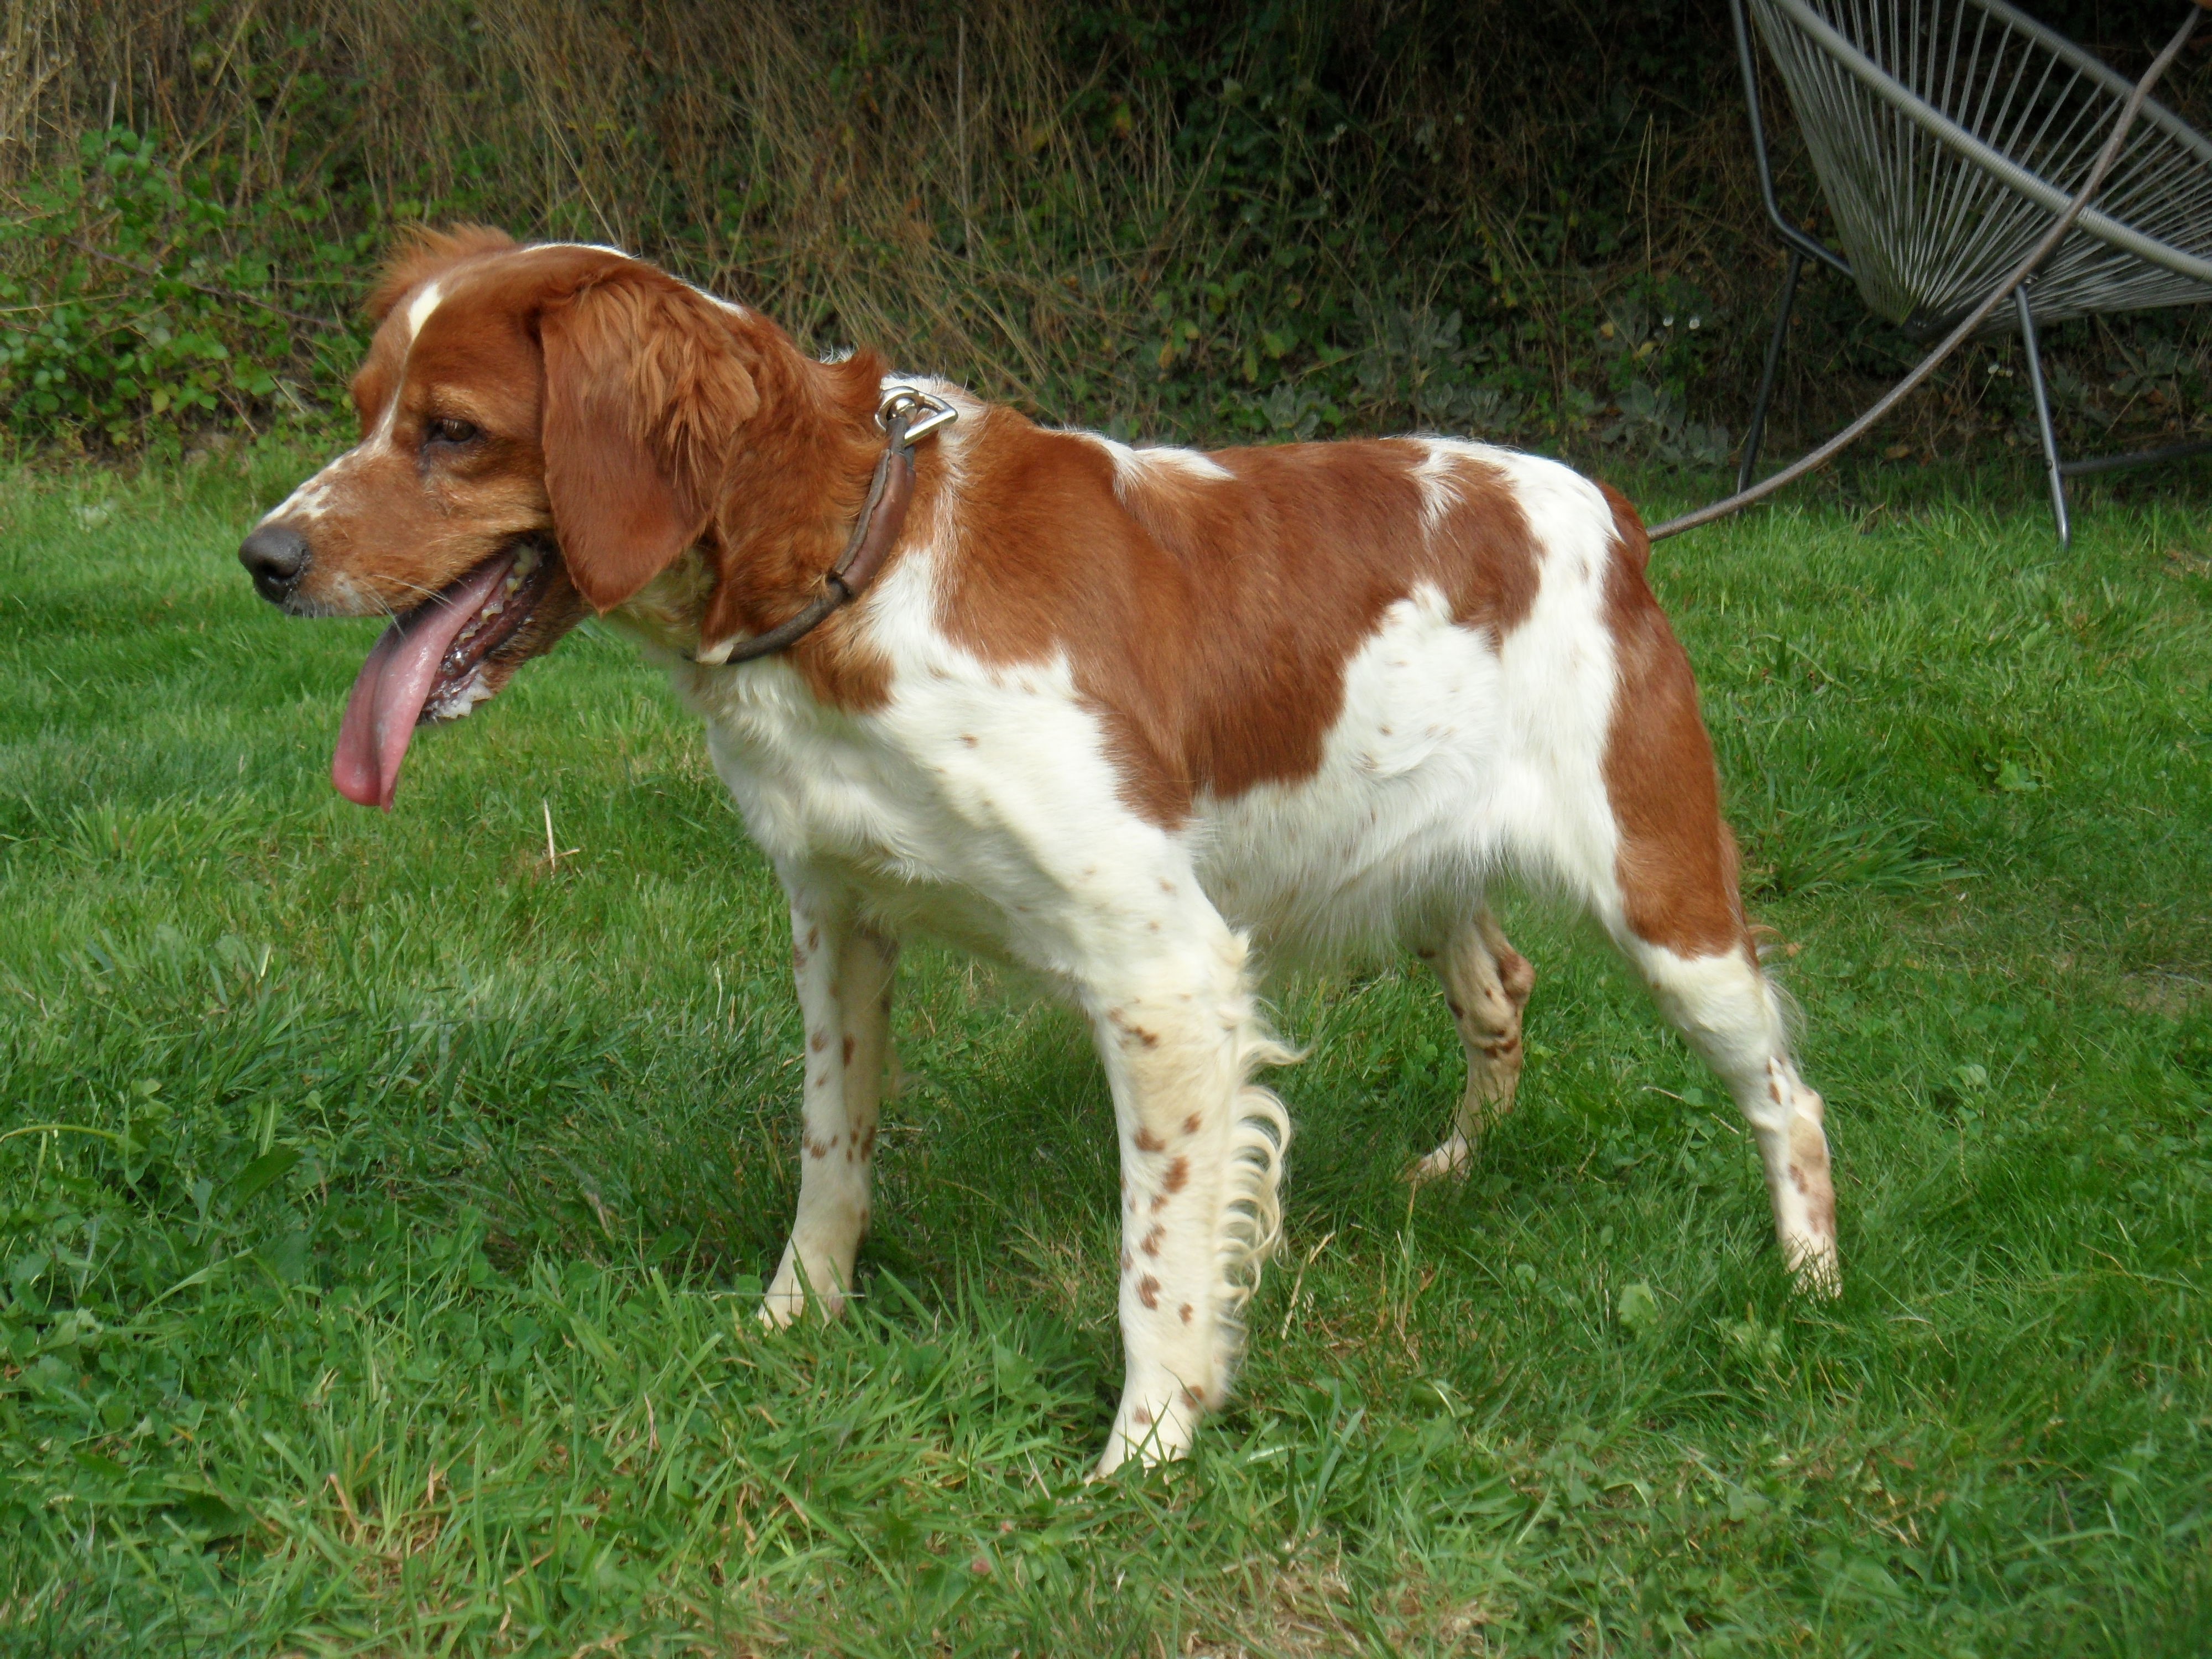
<point x="844" y="975"/>
<point x="1201" y="1155"/>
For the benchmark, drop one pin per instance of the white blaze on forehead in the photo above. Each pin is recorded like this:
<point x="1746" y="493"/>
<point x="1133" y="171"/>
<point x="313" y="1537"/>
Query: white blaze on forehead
<point x="313" y="499"/>
<point x="418" y="313"/>
<point x="420" y="307"/>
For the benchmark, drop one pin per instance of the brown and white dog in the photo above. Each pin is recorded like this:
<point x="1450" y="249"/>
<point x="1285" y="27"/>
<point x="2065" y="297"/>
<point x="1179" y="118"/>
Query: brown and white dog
<point x="1114" y="714"/>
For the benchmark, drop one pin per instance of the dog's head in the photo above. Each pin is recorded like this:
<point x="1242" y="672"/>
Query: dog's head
<point x="542" y="431"/>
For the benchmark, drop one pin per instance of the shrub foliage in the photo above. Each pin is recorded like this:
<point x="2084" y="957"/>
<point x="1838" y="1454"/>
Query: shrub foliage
<point x="1289" y="219"/>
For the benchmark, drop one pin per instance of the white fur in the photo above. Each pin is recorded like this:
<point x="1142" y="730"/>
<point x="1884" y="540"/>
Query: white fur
<point x="981" y="805"/>
<point x="420" y="307"/>
<point x="1133" y="467"/>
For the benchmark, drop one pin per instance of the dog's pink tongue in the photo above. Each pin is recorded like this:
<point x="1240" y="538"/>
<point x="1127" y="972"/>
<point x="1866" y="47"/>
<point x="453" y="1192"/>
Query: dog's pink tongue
<point x="395" y="683"/>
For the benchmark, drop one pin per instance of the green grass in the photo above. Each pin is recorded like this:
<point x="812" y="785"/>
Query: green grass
<point x="384" y="1283"/>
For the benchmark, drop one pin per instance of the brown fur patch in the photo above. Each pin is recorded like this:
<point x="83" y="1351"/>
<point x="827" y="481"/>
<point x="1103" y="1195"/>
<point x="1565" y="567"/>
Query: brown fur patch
<point x="1178" y="1173"/>
<point x="1210" y="620"/>
<point x="1676" y="864"/>
<point x="1145" y="1141"/>
<point x="1148" y="1291"/>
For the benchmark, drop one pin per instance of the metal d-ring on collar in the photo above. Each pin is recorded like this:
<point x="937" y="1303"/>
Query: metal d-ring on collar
<point x="907" y="415"/>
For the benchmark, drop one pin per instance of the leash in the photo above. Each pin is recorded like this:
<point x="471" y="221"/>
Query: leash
<point x="2020" y="273"/>
<point x="907" y="415"/>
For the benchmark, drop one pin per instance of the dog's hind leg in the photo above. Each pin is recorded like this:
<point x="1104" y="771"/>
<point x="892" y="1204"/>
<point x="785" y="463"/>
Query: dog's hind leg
<point x="1486" y="984"/>
<point x="1723" y="1004"/>
<point x="1670" y="900"/>
<point x="844" y="974"/>
<point x="1201" y="1156"/>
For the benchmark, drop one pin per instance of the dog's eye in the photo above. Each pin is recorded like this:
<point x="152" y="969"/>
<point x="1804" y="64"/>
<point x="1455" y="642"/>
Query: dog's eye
<point x="448" y="432"/>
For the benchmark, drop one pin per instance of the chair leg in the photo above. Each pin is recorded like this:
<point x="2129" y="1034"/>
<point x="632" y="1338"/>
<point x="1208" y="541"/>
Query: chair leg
<point x="1757" y="429"/>
<point x="2050" y="463"/>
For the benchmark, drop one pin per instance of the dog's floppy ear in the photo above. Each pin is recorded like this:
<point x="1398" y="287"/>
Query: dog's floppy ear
<point x="644" y="393"/>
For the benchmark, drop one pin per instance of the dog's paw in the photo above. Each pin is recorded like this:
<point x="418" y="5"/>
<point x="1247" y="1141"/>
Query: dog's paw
<point x="791" y="1291"/>
<point x="779" y="1310"/>
<point x="1150" y="1436"/>
<point x="1449" y="1162"/>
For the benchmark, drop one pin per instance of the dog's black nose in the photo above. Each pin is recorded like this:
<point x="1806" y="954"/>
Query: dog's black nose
<point x="275" y="557"/>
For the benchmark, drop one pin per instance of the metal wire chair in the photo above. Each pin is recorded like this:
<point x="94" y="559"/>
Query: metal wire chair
<point x="1946" y="136"/>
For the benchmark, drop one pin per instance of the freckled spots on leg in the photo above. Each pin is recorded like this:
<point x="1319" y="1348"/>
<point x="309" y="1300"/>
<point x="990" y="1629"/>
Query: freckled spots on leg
<point x="1193" y="1123"/>
<point x="814" y="938"/>
<point x="1119" y="1018"/>
<point x="1148" y="1291"/>
<point x="1128" y="1262"/>
<point x="1809" y="1174"/>
<point x="1457" y="1012"/>
<point x="1194" y="1398"/>
<point x="848" y="1051"/>
<point x="821" y="1079"/>
<point x="1178" y="1174"/>
<point x="1151" y="1244"/>
<point x="1141" y="1418"/>
<point x="968" y="738"/>
<point x="818" y="1041"/>
<point x="1145" y="1141"/>
<point x="1167" y="887"/>
<point x="1186" y="1310"/>
<point x="868" y="1142"/>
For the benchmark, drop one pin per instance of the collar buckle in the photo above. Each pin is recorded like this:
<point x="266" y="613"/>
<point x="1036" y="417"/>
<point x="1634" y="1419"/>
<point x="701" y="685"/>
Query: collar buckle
<point x="924" y="413"/>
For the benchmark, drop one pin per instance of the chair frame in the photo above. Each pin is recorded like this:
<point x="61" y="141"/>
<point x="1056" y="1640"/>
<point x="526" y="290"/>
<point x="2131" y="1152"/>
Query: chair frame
<point x="1801" y="245"/>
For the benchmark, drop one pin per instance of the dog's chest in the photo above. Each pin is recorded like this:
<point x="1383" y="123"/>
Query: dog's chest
<point x="964" y="814"/>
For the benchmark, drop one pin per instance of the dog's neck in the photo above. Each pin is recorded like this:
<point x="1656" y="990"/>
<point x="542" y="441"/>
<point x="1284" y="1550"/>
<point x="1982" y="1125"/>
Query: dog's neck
<point x="792" y="485"/>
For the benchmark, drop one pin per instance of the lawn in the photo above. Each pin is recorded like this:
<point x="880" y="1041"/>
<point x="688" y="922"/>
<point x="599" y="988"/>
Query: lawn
<point x="385" y="1201"/>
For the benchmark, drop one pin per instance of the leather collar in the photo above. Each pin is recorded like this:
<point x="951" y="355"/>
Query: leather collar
<point x="907" y="415"/>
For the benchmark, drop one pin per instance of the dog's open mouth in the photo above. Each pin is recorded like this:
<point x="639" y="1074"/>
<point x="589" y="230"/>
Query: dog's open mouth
<point x="433" y="663"/>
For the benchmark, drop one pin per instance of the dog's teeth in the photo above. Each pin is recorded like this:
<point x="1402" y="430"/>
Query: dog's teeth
<point x="526" y="560"/>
